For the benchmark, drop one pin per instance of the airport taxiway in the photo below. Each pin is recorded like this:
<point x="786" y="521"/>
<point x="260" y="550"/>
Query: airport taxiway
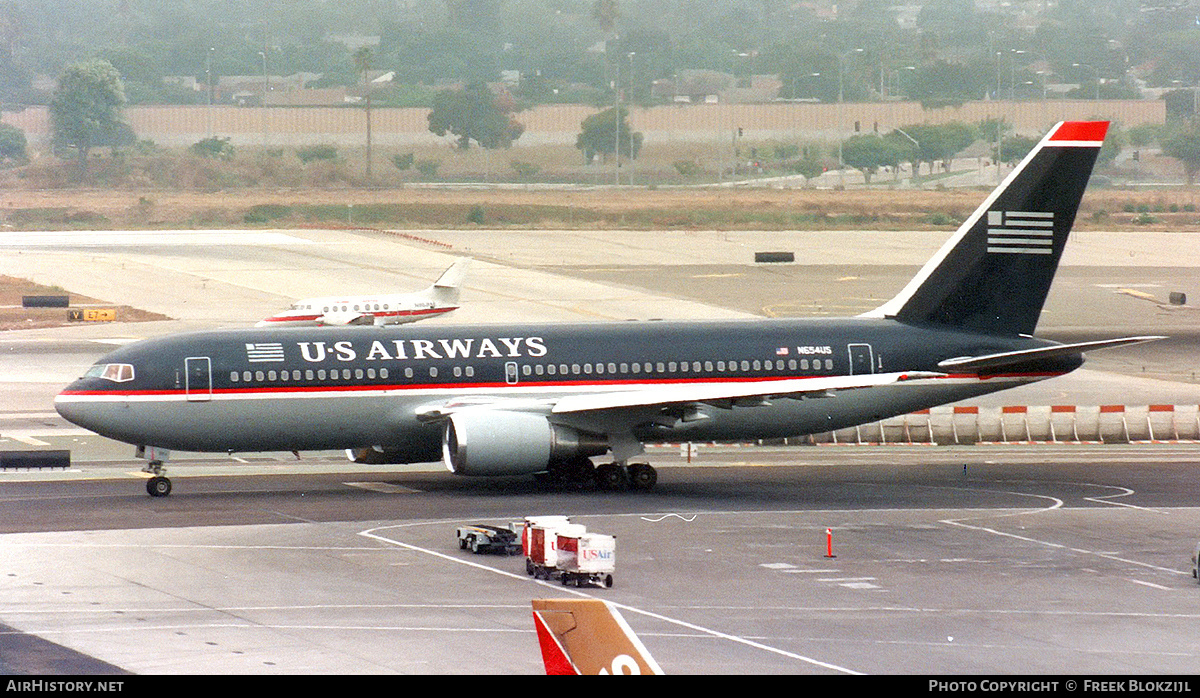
<point x="1067" y="559"/>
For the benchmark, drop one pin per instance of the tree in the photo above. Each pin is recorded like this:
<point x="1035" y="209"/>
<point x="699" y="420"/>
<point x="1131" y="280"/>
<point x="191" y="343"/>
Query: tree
<point x="944" y="84"/>
<point x="597" y="135"/>
<point x="12" y="144"/>
<point x="938" y="142"/>
<point x="85" y="110"/>
<point x="1014" y="148"/>
<point x="1184" y="146"/>
<point x="475" y="114"/>
<point x="870" y="152"/>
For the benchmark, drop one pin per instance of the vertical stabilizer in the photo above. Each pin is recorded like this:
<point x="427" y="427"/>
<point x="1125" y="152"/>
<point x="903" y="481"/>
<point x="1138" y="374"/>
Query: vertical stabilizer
<point x="446" y="289"/>
<point x="994" y="274"/>
<point x="588" y="636"/>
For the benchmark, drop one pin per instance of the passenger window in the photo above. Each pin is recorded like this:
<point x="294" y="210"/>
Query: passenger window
<point x="470" y="371"/>
<point x="433" y="371"/>
<point x="246" y="376"/>
<point x="383" y="373"/>
<point x="233" y="376"/>
<point x="408" y="373"/>
<point x="308" y="375"/>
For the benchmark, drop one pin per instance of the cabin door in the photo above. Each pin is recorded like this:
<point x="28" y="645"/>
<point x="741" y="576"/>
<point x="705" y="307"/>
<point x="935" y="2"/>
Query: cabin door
<point x="861" y="361"/>
<point x="198" y="378"/>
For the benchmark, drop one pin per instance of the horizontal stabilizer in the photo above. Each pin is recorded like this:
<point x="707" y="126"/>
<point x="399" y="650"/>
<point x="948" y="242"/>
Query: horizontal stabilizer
<point x="1010" y="358"/>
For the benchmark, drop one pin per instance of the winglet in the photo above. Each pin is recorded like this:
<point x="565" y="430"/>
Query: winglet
<point x="588" y="636"/>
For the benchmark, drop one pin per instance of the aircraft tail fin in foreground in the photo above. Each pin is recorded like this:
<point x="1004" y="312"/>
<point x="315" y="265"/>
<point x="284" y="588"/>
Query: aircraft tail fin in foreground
<point x="994" y="274"/>
<point x="588" y="636"/>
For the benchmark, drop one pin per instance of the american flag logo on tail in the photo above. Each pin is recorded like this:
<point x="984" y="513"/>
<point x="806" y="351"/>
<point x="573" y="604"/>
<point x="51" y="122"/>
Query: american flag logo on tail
<point x="1020" y="232"/>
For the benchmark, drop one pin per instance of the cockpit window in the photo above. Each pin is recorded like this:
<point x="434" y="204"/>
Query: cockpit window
<point x="118" y="373"/>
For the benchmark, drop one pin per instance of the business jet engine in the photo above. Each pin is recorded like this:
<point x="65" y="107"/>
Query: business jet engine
<point x="496" y="442"/>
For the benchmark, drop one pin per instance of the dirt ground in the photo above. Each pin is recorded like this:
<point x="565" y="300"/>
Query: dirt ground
<point x="641" y="208"/>
<point x="15" y="317"/>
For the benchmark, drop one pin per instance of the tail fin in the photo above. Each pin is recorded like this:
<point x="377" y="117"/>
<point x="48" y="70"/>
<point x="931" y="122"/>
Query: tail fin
<point x="588" y="636"/>
<point x="447" y="287"/>
<point x="993" y="275"/>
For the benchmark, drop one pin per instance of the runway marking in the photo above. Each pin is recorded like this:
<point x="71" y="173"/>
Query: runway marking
<point x="383" y="487"/>
<point x="1151" y="585"/>
<point x="372" y="534"/>
<point x="28" y="440"/>
<point x="1058" y="504"/>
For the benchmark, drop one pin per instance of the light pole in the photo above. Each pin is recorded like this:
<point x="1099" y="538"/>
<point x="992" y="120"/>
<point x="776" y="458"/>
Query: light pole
<point x="841" y="113"/>
<point x="1095" y="73"/>
<point x="209" y="80"/>
<point x="266" y="89"/>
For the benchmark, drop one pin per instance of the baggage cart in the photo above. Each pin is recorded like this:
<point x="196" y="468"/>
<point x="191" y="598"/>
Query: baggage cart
<point x="586" y="558"/>
<point x="542" y="546"/>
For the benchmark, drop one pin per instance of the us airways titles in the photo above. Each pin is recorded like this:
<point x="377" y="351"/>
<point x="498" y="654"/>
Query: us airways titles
<point x="404" y="349"/>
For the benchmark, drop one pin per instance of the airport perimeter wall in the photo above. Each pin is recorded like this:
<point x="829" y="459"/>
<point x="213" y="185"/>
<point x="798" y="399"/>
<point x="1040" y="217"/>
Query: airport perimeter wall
<point x="276" y="127"/>
<point x="1023" y="424"/>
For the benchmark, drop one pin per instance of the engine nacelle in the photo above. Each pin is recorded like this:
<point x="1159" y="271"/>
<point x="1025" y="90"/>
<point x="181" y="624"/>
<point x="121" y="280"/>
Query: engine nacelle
<point x="494" y="442"/>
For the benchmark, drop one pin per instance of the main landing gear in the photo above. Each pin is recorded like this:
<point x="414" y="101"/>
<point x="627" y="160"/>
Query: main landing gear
<point x="609" y="477"/>
<point x="158" y="485"/>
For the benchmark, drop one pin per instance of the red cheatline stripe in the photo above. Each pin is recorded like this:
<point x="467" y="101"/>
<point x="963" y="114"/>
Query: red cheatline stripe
<point x="1092" y="131"/>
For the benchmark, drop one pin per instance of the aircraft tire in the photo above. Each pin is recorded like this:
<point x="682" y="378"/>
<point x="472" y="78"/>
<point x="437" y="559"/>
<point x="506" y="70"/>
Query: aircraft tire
<point x="612" y="477"/>
<point x="642" y="476"/>
<point x="158" y="486"/>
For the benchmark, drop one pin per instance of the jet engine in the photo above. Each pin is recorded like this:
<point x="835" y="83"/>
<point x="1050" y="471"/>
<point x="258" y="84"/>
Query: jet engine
<point x="494" y="442"/>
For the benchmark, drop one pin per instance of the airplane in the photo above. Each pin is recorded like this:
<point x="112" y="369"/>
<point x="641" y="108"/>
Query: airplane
<point x="543" y="400"/>
<point x="439" y="298"/>
<point x="589" y="637"/>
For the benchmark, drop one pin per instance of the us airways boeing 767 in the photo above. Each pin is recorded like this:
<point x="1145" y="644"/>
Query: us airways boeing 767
<point x="439" y="298"/>
<point x="492" y="400"/>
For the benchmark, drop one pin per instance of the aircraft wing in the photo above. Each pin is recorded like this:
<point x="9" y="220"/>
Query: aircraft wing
<point x="669" y="395"/>
<point x="719" y="392"/>
<point x="1012" y="358"/>
<point x="348" y="318"/>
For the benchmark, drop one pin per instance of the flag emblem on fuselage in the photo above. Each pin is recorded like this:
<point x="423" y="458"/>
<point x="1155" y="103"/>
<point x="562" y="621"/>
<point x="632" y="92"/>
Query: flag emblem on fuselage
<point x="264" y="352"/>
<point x="1020" y="232"/>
